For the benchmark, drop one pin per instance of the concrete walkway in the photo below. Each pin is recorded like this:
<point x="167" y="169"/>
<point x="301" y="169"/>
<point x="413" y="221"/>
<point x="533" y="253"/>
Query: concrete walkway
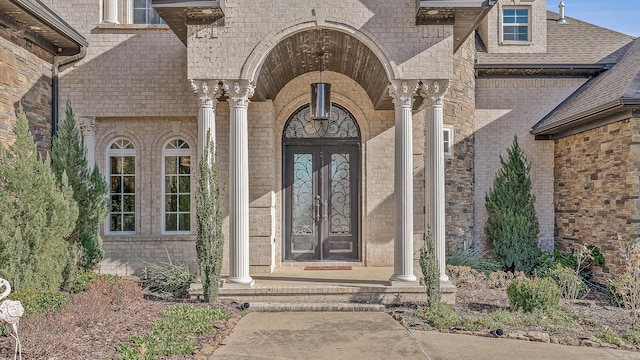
<point x="362" y="335"/>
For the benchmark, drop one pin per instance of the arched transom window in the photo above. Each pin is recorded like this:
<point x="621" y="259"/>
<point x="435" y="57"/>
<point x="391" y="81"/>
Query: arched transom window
<point x="342" y="125"/>
<point x="121" y="166"/>
<point x="177" y="186"/>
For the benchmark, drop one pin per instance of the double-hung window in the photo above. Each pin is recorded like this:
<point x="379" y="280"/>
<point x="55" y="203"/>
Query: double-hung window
<point x="447" y="141"/>
<point x="177" y="186"/>
<point x="121" y="157"/>
<point x="515" y="24"/>
<point x="143" y="13"/>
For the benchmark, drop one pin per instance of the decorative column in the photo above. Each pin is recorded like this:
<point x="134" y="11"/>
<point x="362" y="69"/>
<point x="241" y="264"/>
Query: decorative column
<point x="433" y="92"/>
<point x="239" y="92"/>
<point x="87" y="127"/>
<point x="208" y="92"/>
<point x="402" y="93"/>
<point x="110" y="11"/>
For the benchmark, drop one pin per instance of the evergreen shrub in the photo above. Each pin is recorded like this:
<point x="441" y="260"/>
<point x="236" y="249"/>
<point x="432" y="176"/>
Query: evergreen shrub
<point x="40" y="301"/>
<point x="532" y="294"/>
<point x="430" y="272"/>
<point x="512" y="224"/>
<point x="37" y="213"/>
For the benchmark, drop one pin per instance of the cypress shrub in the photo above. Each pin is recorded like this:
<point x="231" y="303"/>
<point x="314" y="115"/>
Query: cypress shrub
<point x="209" y="237"/>
<point x="512" y="224"/>
<point x="89" y="192"/>
<point x="430" y="271"/>
<point x="36" y="215"/>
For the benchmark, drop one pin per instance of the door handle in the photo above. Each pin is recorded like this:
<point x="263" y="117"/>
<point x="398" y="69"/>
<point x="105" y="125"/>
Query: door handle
<point x="316" y="208"/>
<point x="325" y="210"/>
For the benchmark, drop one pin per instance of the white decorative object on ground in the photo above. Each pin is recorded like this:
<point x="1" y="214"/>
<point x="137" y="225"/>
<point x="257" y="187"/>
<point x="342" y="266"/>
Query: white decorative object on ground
<point x="10" y="313"/>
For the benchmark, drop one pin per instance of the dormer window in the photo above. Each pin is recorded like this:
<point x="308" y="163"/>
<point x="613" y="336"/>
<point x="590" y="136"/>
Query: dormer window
<point x="515" y="24"/>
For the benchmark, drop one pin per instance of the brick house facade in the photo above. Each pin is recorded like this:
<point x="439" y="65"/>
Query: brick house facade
<point x="435" y="91"/>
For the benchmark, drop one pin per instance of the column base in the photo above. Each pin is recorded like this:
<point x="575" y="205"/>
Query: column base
<point x="448" y="292"/>
<point x="404" y="280"/>
<point x="238" y="283"/>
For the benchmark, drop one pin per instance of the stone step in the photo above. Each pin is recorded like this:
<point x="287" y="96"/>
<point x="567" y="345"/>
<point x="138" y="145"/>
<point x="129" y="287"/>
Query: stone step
<point x="324" y="295"/>
<point x="314" y="307"/>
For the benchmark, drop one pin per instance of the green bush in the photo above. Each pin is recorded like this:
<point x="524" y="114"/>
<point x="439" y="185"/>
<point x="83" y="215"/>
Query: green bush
<point x="430" y="272"/>
<point x="36" y="215"/>
<point x="531" y="294"/>
<point x="168" y="279"/>
<point x="613" y="295"/>
<point x="40" y="301"/>
<point x="473" y="258"/>
<point x="571" y="285"/>
<point x="580" y="260"/>
<point x="440" y="316"/>
<point x="512" y="224"/>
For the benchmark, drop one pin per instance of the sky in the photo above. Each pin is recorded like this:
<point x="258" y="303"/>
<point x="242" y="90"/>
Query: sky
<point x="618" y="15"/>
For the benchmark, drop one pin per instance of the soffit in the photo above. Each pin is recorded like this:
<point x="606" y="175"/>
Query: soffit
<point x="177" y="13"/>
<point x="298" y="54"/>
<point x="41" y="25"/>
<point x="464" y="15"/>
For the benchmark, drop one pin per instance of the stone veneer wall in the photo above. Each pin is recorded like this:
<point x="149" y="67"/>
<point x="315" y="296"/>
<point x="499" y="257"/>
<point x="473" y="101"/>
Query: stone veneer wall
<point x="25" y="78"/>
<point x="459" y="115"/>
<point x="597" y="190"/>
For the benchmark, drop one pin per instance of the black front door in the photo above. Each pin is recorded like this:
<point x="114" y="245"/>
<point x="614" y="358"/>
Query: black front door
<point x="321" y="202"/>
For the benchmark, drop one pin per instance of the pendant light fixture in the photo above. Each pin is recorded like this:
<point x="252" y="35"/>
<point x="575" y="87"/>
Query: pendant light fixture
<point x="320" y="92"/>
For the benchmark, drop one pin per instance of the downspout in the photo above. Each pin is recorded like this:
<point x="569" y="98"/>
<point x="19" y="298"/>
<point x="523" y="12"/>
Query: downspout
<point x="55" y="87"/>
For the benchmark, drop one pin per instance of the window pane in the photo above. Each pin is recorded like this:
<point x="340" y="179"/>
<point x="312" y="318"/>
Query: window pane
<point x="171" y="184"/>
<point x="154" y="18"/>
<point x="129" y="184"/>
<point x="129" y="203"/>
<point x="185" y="222"/>
<point x="129" y="165"/>
<point x="508" y="12"/>
<point x="140" y="3"/>
<point x="116" y="220"/>
<point x="116" y="165"/>
<point x="185" y="164"/>
<point x="185" y="203"/>
<point x="116" y="184"/>
<point x="129" y="222"/>
<point x="171" y="203"/>
<point x="170" y="165"/>
<point x="116" y="203"/>
<point x="522" y="13"/>
<point x="185" y="184"/>
<point x="139" y="16"/>
<point x="171" y="222"/>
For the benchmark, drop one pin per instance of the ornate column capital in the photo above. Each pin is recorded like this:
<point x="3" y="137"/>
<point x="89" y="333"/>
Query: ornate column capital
<point x="433" y="91"/>
<point x="238" y="91"/>
<point x="87" y="125"/>
<point x="402" y="92"/>
<point x="208" y="92"/>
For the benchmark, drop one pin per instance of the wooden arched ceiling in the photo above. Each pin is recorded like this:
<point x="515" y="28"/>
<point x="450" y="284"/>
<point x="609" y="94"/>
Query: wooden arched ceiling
<point x="343" y="53"/>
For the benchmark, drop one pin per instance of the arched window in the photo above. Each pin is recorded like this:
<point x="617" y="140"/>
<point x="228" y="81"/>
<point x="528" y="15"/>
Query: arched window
<point x="177" y="186"/>
<point x="121" y="166"/>
<point x="342" y="125"/>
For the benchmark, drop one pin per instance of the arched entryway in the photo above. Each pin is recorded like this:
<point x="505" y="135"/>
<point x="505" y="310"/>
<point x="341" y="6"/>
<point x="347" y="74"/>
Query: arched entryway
<point x="321" y="184"/>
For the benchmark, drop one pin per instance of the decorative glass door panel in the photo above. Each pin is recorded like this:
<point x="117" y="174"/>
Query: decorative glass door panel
<point x="321" y="202"/>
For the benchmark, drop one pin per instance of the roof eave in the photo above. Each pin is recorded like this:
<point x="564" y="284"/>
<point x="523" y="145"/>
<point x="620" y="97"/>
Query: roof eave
<point x="580" y="118"/>
<point x="52" y="20"/>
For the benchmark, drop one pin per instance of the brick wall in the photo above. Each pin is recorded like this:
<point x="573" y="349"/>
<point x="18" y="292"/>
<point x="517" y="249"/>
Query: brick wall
<point x="508" y="107"/>
<point x="597" y="190"/>
<point x="414" y="51"/>
<point x="25" y="78"/>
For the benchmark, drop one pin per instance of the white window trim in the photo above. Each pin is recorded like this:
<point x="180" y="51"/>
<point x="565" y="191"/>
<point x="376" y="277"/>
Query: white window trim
<point x="121" y="152"/>
<point x="502" y="26"/>
<point x="178" y="152"/>
<point x="450" y="132"/>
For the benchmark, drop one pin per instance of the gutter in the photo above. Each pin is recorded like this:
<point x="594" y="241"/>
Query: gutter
<point x="55" y="87"/>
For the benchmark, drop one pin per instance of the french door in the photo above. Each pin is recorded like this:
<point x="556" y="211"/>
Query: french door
<point x="321" y="202"/>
